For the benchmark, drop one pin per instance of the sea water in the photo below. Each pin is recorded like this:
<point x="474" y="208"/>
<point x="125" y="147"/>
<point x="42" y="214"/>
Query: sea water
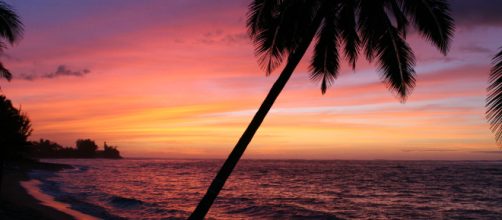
<point x="281" y="189"/>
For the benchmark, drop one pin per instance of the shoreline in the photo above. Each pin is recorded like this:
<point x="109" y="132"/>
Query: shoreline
<point x="32" y="187"/>
<point x="19" y="202"/>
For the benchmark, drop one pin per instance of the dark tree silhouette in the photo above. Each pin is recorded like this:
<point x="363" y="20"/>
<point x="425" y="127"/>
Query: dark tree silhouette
<point x="15" y="127"/>
<point x="282" y="30"/>
<point x="11" y="30"/>
<point x="86" y="147"/>
<point x="494" y="98"/>
<point x="45" y="148"/>
<point x="110" y="152"/>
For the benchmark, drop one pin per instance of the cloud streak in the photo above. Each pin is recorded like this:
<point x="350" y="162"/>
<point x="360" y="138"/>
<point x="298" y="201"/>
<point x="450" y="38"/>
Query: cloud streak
<point x="488" y="152"/>
<point x="61" y="71"/>
<point x="174" y="74"/>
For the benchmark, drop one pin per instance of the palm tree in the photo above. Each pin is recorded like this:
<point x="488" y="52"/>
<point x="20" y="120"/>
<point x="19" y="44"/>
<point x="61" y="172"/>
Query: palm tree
<point x="14" y="133"/>
<point x="11" y="30"/>
<point x="494" y="98"/>
<point x="283" y="30"/>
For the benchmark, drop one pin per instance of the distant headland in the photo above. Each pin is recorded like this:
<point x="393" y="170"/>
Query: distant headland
<point x="84" y="148"/>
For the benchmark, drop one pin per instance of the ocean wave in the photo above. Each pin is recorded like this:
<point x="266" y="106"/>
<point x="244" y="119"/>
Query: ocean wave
<point x="281" y="211"/>
<point x="170" y="189"/>
<point x="123" y="202"/>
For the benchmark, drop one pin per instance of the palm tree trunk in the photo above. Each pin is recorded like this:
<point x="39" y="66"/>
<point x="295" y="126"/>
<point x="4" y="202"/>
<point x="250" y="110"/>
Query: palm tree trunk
<point x="240" y="147"/>
<point x="1" y="175"/>
<point x="234" y="157"/>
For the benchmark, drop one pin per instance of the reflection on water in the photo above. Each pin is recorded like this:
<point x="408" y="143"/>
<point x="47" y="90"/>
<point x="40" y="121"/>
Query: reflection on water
<point x="268" y="189"/>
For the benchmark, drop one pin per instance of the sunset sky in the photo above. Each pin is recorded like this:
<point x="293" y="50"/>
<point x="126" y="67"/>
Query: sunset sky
<point x="179" y="79"/>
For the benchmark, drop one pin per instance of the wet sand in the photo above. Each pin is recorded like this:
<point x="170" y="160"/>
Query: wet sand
<point x="17" y="203"/>
<point x="33" y="188"/>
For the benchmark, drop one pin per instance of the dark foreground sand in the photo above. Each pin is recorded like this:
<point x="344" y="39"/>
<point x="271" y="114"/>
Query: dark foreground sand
<point x="16" y="202"/>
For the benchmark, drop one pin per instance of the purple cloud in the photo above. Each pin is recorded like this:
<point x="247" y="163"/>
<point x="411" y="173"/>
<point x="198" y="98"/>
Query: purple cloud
<point x="62" y="70"/>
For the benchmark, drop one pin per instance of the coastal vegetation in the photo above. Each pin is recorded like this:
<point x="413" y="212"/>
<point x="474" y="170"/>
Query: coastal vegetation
<point x="16" y="128"/>
<point x="15" y="125"/>
<point x="14" y="132"/>
<point x="17" y="151"/>
<point x="84" y="148"/>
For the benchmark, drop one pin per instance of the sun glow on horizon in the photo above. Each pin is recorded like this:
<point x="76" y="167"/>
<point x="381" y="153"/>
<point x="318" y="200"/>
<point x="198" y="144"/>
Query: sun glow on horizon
<point x="178" y="79"/>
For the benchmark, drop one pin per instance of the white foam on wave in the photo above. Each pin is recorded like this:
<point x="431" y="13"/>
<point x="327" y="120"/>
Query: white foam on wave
<point x="33" y="188"/>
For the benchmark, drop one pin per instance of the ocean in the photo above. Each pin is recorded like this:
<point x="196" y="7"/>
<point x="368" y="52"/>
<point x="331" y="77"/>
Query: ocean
<point x="280" y="189"/>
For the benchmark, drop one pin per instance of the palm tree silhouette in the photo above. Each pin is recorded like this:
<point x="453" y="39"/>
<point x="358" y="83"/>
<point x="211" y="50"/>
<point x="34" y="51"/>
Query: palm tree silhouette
<point x="11" y="30"/>
<point x="494" y="98"/>
<point x="283" y="30"/>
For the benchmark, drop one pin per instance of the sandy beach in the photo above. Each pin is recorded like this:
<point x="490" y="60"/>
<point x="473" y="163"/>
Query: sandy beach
<point x="18" y="203"/>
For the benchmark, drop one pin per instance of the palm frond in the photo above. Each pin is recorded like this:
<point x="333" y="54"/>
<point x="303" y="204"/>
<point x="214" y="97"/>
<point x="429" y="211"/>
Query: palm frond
<point x="432" y="19"/>
<point x="370" y="26"/>
<point x="346" y="23"/>
<point x="396" y="61"/>
<point x="494" y="98"/>
<point x="275" y="28"/>
<point x="325" y="61"/>
<point x="300" y="14"/>
<point x="11" y="27"/>
<point x="5" y="73"/>
<point x="263" y="27"/>
<point x="386" y="42"/>
<point x="399" y="16"/>
<point x="259" y="15"/>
